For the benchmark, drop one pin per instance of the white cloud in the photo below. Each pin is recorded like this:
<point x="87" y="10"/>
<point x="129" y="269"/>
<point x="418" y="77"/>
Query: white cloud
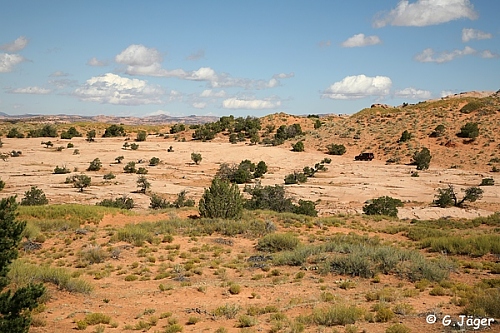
<point x="359" y="86"/>
<point x="360" y="40"/>
<point x="8" y="61"/>
<point x="252" y="104"/>
<point x="141" y="60"/>
<point x="63" y="83"/>
<point x="426" y="12"/>
<point x="30" y="90"/>
<point x="96" y="62"/>
<point x="445" y="93"/>
<point x="58" y="74"/>
<point x="469" y="34"/>
<point x="199" y="105"/>
<point x="489" y="55"/>
<point x="114" y="89"/>
<point x="211" y="93"/>
<point x="197" y="55"/>
<point x="428" y="55"/>
<point x="325" y="43"/>
<point x="16" y="45"/>
<point x="412" y="93"/>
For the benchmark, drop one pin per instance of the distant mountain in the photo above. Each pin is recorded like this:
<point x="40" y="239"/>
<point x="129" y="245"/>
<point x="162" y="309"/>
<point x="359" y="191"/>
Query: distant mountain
<point x="151" y="120"/>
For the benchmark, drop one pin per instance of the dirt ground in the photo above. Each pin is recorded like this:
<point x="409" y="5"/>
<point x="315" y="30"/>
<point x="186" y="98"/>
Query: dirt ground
<point x="343" y="188"/>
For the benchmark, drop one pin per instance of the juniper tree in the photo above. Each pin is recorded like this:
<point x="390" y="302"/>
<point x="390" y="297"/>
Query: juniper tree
<point x="221" y="200"/>
<point x="15" y="306"/>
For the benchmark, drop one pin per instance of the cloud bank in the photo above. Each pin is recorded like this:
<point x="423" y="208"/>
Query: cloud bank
<point x="251" y="104"/>
<point x="428" y="55"/>
<point x="358" y="86"/>
<point x="426" y="12"/>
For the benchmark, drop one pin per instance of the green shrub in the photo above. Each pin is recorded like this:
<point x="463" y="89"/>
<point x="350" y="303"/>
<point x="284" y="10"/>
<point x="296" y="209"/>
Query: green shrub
<point x="439" y="131"/>
<point x="234" y="289"/>
<point x="469" y="131"/>
<point x="157" y="202"/>
<point x="34" y="197"/>
<point x="141" y="136"/>
<point x="130" y="168"/>
<point x="487" y="182"/>
<point x="484" y="304"/>
<point x="196" y="158"/>
<point x="109" y="176"/>
<point x="113" y="131"/>
<point x="134" y="146"/>
<point x="2" y="184"/>
<point x="295" y="178"/>
<point x="338" y="314"/>
<point x="336" y="149"/>
<point x="405" y="136"/>
<point x="154" y="161"/>
<point x="121" y="202"/>
<point x="471" y="107"/>
<point x="143" y="184"/>
<point x="422" y="159"/>
<point x="141" y="171"/>
<point x="383" y="206"/>
<point x="95" y="165"/>
<point x="228" y="310"/>
<point x="398" y="328"/>
<point x="278" y="242"/>
<point x="298" y="147"/>
<point x="221" y="200"/>
<point x="63" y="170"/>
<point x="246" y="321"/>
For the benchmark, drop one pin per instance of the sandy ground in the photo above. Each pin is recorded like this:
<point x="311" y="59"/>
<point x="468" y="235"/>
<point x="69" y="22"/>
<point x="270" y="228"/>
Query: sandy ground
<point x="343" y="188"/>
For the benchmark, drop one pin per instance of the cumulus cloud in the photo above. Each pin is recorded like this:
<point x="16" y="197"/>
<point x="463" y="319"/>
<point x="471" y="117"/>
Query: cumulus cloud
<point x="250" y="104"/>
<point x="212" y="93"/>
<point x="197" y="55"/>
<point x="412" y="93"/>
<point x="428" y="55"/>
<point x="469" y="34"/>
<point x="8" y="61"/>
<point x="445" y="93"/>
<point x="489" y="55"/>
<point x="359" y="86"/>
<point x="199" y="105"/>
<point x="58" y="74"/>
<point x="30" y="90"/>
<point x="15" y="46"/>
<point x="426" y="12"/>
<point x="114" y="89"/>
<point x="96" y="62"/>
<point x="360" y="40"/>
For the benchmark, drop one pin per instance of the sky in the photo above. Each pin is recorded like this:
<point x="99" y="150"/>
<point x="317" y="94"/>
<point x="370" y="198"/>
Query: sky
<point x="222" y="57"/>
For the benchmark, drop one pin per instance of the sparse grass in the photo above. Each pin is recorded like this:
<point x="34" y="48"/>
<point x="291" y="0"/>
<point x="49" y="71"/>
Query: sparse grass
<point x="338" y="314"/>
<point x="22" y="273"/>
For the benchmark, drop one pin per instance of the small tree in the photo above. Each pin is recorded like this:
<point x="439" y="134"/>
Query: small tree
<point x="81" y="181"/>
<point x="143" y="184"/>
<point x="405" y="136"/>
<point x="91" y="136"/>
<point x="196" y="158"/>
<point x="95" y="165"/>
<point x="295" y="178"/>
<point x="298" y="147"/>
<point x="16" y="304"/>
<point x="447" y="197"/>
<point x="126" y="145"/>
<point x="383" y="206"/>
<point x="335" y="149"/>
<point x="141" y="136"/>
<point x="119" y="159"/>
<point x="63" y="170"/>
<point x="221" y="200"/>
<point x="134" y="146"/>
<point x="317" y="124"/>
<point x="130" y="167"/>
<point x="260" y="169"/>
<point x="422" y="159"/>
<point x="183" y="201"/>
<point x="34" y="197"/>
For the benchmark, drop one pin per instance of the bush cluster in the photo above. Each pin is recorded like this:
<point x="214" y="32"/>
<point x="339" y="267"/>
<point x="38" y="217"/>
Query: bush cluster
<point x="123" y="202"/>
<point x="336" y="149"/>
<point x="242" y="173"/>
<point x="70" y="133"/>
<point x="383" y="206"/>
<point x="114" y="131"/>
<point x="157" y="202"/>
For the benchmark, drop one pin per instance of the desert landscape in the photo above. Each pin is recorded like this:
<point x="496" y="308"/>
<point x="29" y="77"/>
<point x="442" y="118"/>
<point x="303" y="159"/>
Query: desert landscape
<point x="339" y="269"/>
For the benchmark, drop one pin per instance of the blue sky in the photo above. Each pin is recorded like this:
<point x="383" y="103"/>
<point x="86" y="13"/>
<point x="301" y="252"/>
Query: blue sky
<point x="139" y="58"/>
